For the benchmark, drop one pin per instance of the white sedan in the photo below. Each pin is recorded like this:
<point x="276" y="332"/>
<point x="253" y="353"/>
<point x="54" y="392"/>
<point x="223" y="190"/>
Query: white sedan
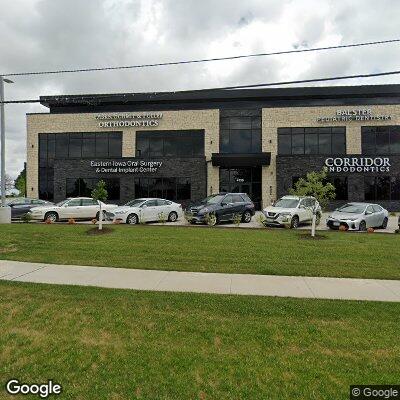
<point x="146" y="210"/>
<point x="76" y="208"/>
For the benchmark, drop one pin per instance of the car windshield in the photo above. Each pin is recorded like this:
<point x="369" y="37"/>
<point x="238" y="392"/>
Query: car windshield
<point x="61" y="203"/>
<point x="287" y="203"/>
<point x="213" y="199"/>
<point x="134" y="203"/>
<point x="352" y="208"/>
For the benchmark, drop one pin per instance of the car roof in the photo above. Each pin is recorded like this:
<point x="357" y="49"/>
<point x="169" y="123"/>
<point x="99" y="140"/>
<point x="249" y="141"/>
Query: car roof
<point x="294" y="197"/>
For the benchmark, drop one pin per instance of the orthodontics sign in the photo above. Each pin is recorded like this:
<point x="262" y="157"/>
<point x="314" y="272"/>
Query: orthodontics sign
<point x="129" y="120"/>
<point x="358" y="164"/>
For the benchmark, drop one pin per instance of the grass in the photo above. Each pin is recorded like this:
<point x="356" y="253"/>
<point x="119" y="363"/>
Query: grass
<point x="116" y="344"/>
<point x="257" y="251"/>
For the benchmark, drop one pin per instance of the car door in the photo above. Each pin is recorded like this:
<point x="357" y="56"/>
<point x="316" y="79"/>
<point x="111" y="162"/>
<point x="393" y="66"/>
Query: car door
<point x="227" y="208"/>
<point x="71" y="209"/>
<point x="369" y="217"/>
<point x="304" y="211"/>
<point x="238" y="204"/>
<point x="89" y="208"/>
<point x="164" y="208"/>
<point x="20" y="208"/>
<point x="380" y="215"/>
<point x="149" y="211"/>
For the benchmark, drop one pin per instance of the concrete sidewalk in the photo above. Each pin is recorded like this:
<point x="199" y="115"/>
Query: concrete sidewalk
<point x="172" y="281"/>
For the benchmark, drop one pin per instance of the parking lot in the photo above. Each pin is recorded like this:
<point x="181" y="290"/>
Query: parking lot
<point x="256" y="224"/>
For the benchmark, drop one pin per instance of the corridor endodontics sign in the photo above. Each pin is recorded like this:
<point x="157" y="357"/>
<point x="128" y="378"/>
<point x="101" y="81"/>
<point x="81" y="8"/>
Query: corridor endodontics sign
<point x="126" y="167"/>
<point x="358" y="164"/>
<point x="123" y="120"/>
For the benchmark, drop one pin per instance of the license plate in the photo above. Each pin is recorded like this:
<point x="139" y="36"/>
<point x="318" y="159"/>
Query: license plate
<point x="336" y="223"/>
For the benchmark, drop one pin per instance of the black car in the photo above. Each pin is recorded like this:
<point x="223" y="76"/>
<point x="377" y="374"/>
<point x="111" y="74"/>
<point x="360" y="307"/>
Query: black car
<point x="20" y="206"/>
<point x="222" y="207"/>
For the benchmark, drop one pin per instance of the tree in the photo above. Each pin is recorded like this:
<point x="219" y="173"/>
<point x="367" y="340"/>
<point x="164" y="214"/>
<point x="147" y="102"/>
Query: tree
<point x="100" y="194"/>
<point x="20" y="182"/>
<point x="316" y="185"/>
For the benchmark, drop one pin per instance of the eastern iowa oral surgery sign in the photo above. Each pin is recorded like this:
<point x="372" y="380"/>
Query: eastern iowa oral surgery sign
<point x="126" y="166"/>
<point x="358" y="164"/>
<point x="122" y="120"/>
<point x="363" y="114"/>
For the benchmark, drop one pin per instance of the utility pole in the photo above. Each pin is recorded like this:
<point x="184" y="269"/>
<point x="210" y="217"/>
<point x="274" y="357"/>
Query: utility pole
<point x="5" y="215"/>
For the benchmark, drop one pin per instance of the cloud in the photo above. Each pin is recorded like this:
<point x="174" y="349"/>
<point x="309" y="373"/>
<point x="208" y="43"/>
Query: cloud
<point x="58" y="34"/>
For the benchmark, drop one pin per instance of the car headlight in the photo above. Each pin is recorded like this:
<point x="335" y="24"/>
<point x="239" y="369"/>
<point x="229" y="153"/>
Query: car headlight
<point x="286" y="214"/>
<point x="119" y="212"/>
<point x="204" y="210"/>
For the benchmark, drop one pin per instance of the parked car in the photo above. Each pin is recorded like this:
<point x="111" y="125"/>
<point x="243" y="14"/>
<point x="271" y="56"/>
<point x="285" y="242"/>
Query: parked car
<point x="146" y="210"/>
<point x="222" y="207"/>
<point x="22" y="205"/>
<point x="76" y="208"/>
<point x="292" y="211"/>
<point x="359" y="217"/>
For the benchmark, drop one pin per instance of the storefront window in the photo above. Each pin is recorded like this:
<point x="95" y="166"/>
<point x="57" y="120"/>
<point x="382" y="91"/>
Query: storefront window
<point x="299" y="141"/>
<point x="382" y="188"/>
<point x="240" y="134"/>
<point x="167" y="188"/>
<point x="170" y="144"/>
<point x="380" y="140"/>
<point x="82" y="187"/>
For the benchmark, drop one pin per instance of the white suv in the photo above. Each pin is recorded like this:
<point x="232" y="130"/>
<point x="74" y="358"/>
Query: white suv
<point x="292" y="211"/>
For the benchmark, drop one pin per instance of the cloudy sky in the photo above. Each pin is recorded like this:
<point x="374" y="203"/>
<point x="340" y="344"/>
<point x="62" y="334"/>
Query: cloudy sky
<point x="61" y="34"/>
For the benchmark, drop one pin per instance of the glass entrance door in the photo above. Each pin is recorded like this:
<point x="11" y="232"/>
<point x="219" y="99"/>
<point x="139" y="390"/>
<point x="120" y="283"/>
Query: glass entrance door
<point x="242" y="180"/>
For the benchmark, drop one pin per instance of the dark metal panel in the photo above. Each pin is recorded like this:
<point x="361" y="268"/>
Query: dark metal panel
<point x="240" y="160"/>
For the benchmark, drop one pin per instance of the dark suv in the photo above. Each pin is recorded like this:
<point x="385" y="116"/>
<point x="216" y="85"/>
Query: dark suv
<point x="222" y="207"/>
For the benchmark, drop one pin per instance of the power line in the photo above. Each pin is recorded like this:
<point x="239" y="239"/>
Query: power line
<point x="91" y="99"/>
<point x="204" y="60"/>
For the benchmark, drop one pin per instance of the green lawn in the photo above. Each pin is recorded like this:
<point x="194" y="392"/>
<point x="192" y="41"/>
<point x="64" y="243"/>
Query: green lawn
<point x="117" y="344"/>
<point x="258" y="251"/>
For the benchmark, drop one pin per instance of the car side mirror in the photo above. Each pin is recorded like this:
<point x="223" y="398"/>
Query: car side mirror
<point x="368" y="213"/>
<point x="144" y="206"/>
<point x="223" y="204"/>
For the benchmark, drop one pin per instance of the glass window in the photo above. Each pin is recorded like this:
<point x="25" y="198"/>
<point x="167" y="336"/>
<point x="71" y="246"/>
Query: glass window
<point x="285" y="144"/>
<point x="151" y="203"/>
<point x="382" y="141"/>
<point x="156" y="147"/>
<point x="115" y="144"/>
<point x="298" y="143"/>
<point x="240" y="134"/>
<point x="73" y="203"/>
<point x="183" y="189"/>
<point x="326" y="140"/>
<point x="89" y="202"/>
<point x="89" y="146"/>
<point x="101" y="145"/>
<point x="62" y="142"/>
<point x="395" y="188"/>
<point x="383" y="188"/>
<point x="341" y="187"/>
<point x="395" y="140"/>
<point x="237" y="198"/>
<point x="380" y="188"/>
<point x="311" y="143"/>
<point x="325" y="143"/>
<point x="75" y="145"/>
<point x="142" y="146"/>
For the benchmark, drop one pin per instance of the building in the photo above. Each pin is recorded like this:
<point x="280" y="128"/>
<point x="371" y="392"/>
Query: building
<point x="186" y="145"/>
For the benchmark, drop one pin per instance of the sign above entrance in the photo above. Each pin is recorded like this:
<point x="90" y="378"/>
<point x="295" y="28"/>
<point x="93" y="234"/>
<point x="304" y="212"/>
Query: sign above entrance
<point x="126" y="166"/>
<point x="354" y="115"/>
<point x="358" y="164"/>
<point x="128" y="120"/>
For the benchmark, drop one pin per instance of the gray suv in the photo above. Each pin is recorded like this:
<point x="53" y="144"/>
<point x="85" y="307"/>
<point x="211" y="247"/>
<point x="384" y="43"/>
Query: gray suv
<point x="222" y="207"/>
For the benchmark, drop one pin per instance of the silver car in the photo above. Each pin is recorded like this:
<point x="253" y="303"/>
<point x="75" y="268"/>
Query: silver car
<point x="358" y="217"/>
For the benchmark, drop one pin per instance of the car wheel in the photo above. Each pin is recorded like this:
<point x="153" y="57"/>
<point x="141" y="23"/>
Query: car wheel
<point x="363" y="226"/>
<point x="52" y="216"/>
<point x="173" y="216"/>
<point x="132" y="219"/>
<point x="294" y="223"/>
<point x="246" y="217"/>
<point x="212" y="219"/>
<point x="384" y="223"/>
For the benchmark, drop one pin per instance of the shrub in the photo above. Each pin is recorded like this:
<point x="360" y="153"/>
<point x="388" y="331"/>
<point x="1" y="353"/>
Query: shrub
<point x="370" y="230"/>
<point x="188" y="216"/>
<point x="237" y="219"/>
<point x="161" y="218"/>
<point x="26" y="218"/>
<point x="71" y="221"/>
<point x="48" y="221"/>
<point x="342" y="228"/>
<point x="261" y="219"/>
